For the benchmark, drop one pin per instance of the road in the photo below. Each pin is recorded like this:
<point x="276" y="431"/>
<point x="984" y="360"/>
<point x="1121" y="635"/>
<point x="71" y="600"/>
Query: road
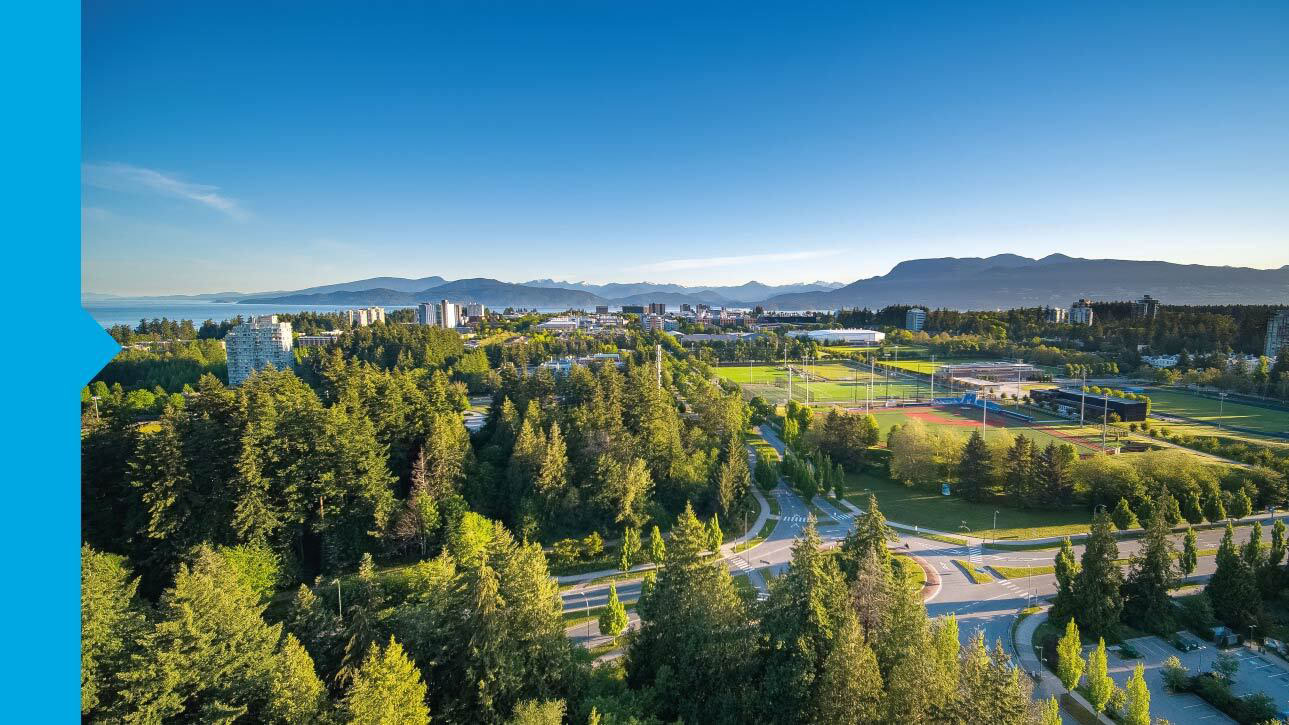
<point x="990" y="607"/>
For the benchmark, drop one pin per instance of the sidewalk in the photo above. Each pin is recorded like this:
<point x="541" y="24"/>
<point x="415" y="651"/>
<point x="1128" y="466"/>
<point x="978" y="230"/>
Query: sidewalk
<point x="1048" y="685"/>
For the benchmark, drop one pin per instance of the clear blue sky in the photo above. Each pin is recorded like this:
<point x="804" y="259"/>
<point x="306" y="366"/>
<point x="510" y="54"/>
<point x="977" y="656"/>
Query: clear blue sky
<point x="249" y="147"/>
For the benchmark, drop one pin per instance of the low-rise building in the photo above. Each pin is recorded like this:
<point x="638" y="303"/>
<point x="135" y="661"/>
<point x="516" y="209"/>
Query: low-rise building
<point x="850" y="336"/>
<point x="323" y="340"/>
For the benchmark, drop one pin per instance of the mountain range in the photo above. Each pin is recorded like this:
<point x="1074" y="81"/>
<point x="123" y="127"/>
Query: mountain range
<point x="1000" y="281"/>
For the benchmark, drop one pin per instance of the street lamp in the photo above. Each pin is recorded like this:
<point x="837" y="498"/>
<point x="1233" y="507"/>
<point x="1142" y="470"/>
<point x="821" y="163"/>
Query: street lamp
<point x="994" y="532"/>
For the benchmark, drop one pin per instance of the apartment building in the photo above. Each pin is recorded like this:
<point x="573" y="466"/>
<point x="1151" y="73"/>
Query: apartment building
<point x="261" y="343"/>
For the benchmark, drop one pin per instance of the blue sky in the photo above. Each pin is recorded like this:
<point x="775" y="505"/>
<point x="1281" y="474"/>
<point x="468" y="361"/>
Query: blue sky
<point x="250" y="147"/>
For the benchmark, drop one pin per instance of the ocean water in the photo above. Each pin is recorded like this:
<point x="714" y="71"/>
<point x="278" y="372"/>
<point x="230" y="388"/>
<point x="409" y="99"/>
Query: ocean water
<point x="126" y="311"/>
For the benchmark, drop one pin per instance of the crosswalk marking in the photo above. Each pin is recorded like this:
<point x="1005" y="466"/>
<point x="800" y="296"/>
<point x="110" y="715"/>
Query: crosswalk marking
<point x="739" y="563"/>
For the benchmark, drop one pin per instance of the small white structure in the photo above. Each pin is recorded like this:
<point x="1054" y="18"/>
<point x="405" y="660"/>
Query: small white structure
<point x="263" y="342"/>
<point x="851" y="336"/>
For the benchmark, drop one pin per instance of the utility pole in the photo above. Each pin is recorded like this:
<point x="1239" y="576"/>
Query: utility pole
<point x="658" y="363"/>
<point x="1221" y="409"/>
<point x="1083" y="397"/>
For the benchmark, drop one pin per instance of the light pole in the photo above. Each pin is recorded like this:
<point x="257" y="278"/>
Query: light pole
<point x="339" y="605"/>
<point x="1221" y="409"/>
<point x="586" y="608"/>
<point x="994" y="532"/>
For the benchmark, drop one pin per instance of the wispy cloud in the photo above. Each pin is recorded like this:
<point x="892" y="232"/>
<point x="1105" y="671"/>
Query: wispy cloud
<point x="673" y="265"/>
<point x="136" y="179"/>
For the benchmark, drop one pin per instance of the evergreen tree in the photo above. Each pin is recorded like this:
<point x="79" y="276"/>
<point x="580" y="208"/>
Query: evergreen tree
<point x="1151" y="578"/>
<point x="613" y="618"/>
<point x="551" y="486"/>
<point x="1049" y="712"/>
<point x="1097" y="585"/>
<point x="1067" y="569"/>
<point x="1020" y="471"/>
<point x="693" y="634"/>
<point x="532" y="712"/>
<point x="1214" y="509"/>
<point x="1053" y="468"/>
<point x="1123" y="516"/>
<point x="870" y="535"/>
<point x="1232" y="588"/>
<point x="111" y="624"/>
<point x="715" y="537"/>
<point x="387" y="689"/>
<point x="732" y="476"/>
<point x="974" y="477"/>
<point x="209" y="622"/>
<point x="1192" y="509"/>
<point x="1253" y="552"/>
<point x="1069" y="656"/>
<point x="1136" y="709"/>
<point x="1100" y="685"/>
<point x="1172" y="512"/>
<point x="296" y="695"/>
<point x="1190" y="553"/>
<point x="1241" y="505"/>
<point x="1278" y="543"/>
<point x="798" y="627"/>
<point x="849" y="683"/>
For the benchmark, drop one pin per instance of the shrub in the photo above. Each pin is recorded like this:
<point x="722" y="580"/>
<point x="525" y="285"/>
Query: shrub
<point x="1176" y="677"/>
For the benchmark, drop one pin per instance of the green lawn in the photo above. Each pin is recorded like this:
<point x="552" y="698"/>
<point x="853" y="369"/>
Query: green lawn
<point x="920" y="507"/>
<point x="762" y="535"/>
<point x="968" y="420"/>
<point x="979" y="576"/>
<point x="1020" y="572"/>
<point x="830" y="382"/>
<point x="916" y="574"/>
<point x="1207" y="409"/>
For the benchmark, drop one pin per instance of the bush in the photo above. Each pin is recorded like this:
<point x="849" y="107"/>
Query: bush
<point x="1176" y="677"/>
<point x="566" y="552"/>
<point x="1197" y="614"/>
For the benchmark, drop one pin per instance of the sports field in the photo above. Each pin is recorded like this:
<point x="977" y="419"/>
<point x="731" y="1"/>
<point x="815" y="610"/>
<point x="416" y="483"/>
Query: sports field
<point x="1172" y="402"/>
<point x="825" y="382"/>
<point x="1084" y="440"/>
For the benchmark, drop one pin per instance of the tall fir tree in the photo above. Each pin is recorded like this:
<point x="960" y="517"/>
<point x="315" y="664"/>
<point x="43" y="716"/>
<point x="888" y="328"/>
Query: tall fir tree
<point x="387" y="690"/>
<point x="974" y="476"/>
<point x="1151" y="579"/>
<point x="613" y="618"/>
<point x="1099" y="580"/>
<point x="1067" y="569"/>
<point x="1233" y="587"/>
<point x="1189" y="558"/>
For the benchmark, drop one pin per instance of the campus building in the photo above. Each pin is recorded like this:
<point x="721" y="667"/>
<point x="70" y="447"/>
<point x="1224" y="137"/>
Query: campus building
<point x="914" y="319"/>
<point x="1081" y="313"/>
<point x="1145" y="308"/>
<point x="1277" y="334"/>
<point x="1070" y="400"/>
<point x="427" y="313"/>
<point x="263" y="342"/>
<point x="854" y="336"/>
<point x="475" y="310"/>
<point x="364" y="316"/>
<point x="323" y="340"/>
<point x="633" y="309"/>
<point x="1056" y="315"/>
<point x="657" y="308"/>
<point x="1005" y="372"/>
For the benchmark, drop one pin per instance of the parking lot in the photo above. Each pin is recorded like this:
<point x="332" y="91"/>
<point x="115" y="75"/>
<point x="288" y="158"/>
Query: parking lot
<point x="1259" y="672"/>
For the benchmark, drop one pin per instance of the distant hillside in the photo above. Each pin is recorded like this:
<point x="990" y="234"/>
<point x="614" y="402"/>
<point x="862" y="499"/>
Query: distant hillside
<point x="748" y="293"/>
<point x="487" y="291"/>
<point x="1008" y="280"/>
<point x="395" y="284"/>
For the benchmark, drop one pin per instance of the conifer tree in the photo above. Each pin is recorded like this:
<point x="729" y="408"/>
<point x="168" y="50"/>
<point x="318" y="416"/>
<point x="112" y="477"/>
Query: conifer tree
<point x="1123" y="516"/>
<point x="1151" y="578"/>
<point x="1214" y="509"/>
<point x="1278" y="544"/>
<point x="1099" y="601"/>
<point x="974" y="476"/>
<point x="715" y="537"/>
<point x="1065" y="604"/>
<point x="1020" y="471"/>
<point x="1241" y="505"/>
<point x="1190" y="553"/>
<point x="1233" y="588"/>
<point x="387" y="689"/>
<point x="850" y="685"/>
<point x="1192" y="508"/>
<point x="111" y="624"/>
<point x="296" y="695"/>
<point x="1172" y="512"/>
<point x="1049" y="712"/>
<point x="869" y="535"/>
<point x="1253" y="552"/>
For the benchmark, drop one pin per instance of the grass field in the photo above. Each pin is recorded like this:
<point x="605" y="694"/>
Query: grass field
<point x="829" y="382"/>
<point x="949" y="513"/>
<point x="976" y="575"/>
<point x="1173" y="402"/>
<point x="1084" y="439"/>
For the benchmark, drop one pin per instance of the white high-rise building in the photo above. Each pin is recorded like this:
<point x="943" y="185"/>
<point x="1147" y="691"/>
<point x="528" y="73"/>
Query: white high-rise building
<point x="914" y="319"/>
<point x="1081" y="313"/>
<point x="474" y="309"/>
<point x="364" y="316"/>
<point x="448" y="315"/>
<point x="263" y="342"/>
<point x="427" y="313"/>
